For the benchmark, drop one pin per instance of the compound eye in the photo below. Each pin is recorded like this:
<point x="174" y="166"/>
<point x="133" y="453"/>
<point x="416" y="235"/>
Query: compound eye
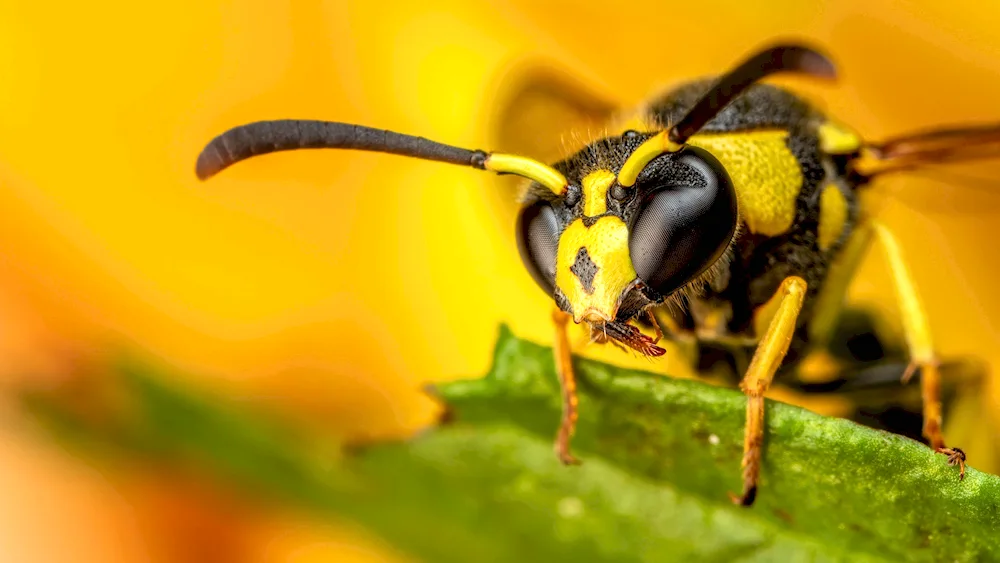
<point x="680" y="231"/>
<point x="538" y="241"/>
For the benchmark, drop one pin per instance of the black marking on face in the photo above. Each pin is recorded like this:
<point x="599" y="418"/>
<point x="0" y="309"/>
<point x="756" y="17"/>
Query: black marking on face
<point x="562" y="302"/>
<point x="681" y="216"/>
<point x="584" y="269"/>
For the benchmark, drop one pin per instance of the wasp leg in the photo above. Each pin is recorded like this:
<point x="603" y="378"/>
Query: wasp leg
<point x="672" y="331"/>
<point x="564" y="369"/>
<point x="665" y="320"/>
<point x="830" y="300"/>
<point x="874" y="397"/>
<point x="918" y="341"/>
<point x="766" y="360"/>
<point x="914" y="320"/>
<point x="651" y="319"/>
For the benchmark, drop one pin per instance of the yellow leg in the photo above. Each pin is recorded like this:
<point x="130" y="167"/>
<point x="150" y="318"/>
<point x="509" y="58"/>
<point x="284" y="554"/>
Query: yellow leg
<point x="564" y="368"/>
<point x="766" y="360"/>
<point x="918" y="340"/>
<point x="830" y="301"/>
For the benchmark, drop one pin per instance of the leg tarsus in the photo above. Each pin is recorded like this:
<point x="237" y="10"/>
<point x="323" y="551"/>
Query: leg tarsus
<point x="565" y="456"/>
<point x="747" y="498"/>
<point x="955" y="457"/>
<point x="564" y="369"/>
<point x="752" y="451"/>
<point x="918" y="339"/>
<point x="766" y="360"/>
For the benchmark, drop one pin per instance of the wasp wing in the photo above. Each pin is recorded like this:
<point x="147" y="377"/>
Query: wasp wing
<point x="547" y="113"/>
<point x="945" y="145"/>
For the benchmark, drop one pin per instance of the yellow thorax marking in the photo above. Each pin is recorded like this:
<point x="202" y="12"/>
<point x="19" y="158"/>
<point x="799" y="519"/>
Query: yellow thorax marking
<point x="606" y="244"/>
<point x="836" y="138"/>
<point x="832" y="215"/>
<point x="765" y="174"/>
<point x="595" y="192"/>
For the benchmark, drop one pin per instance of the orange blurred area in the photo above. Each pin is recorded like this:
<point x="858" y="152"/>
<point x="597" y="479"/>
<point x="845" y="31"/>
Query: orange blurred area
<point x="331" y="286"/>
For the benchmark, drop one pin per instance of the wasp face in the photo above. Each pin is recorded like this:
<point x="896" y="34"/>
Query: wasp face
<point x="605" y="251"/>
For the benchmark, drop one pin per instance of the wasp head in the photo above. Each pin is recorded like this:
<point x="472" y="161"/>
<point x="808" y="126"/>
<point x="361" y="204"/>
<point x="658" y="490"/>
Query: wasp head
<point x="629" y="230"/>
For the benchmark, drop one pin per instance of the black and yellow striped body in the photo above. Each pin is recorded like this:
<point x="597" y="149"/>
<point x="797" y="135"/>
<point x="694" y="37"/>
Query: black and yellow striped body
<point x="794" y="222"/>
<point x="725" y="210"/>
<point x="796" y="208"/>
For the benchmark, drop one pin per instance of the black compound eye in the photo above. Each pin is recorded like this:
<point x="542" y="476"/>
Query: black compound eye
<point x="538" y="241"/>
<point x="680" y="231"/>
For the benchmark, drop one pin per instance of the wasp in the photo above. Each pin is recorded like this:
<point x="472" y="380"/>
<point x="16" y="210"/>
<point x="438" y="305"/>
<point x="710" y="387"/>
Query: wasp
<point x="724" y="211"/>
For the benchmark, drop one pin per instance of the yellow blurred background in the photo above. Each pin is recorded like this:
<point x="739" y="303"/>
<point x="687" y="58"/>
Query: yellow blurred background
<point x="331" y="286"/>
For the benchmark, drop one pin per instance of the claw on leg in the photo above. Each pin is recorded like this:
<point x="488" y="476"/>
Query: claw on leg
<point x="746" y="499"/>
<point x="562" y="448"/>
<point x="752" y="449"/>
<point x="918" y="339"/>
<point x="930" y="386"/>
<point x="768" y="357"/>
<point x="955" y="457"/>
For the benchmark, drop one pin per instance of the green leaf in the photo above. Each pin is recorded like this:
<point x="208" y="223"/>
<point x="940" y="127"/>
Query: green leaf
<point x="659" y="456"/>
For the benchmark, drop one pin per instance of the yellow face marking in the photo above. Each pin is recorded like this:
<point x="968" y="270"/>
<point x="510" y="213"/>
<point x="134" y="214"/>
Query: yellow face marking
<point x="836" y="138"/>
<point x="606" y="244"/>
<point x="643" y="155"/>
<point x="595" y="192"/>
<point x="527" y="168"/>
<point x="832" y="215"/>
<point x="765" y="174"/>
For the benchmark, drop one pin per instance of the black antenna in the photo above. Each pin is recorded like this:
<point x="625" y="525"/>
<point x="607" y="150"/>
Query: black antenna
<point x="781" y="58"/>
<point x="263" y="137"/>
